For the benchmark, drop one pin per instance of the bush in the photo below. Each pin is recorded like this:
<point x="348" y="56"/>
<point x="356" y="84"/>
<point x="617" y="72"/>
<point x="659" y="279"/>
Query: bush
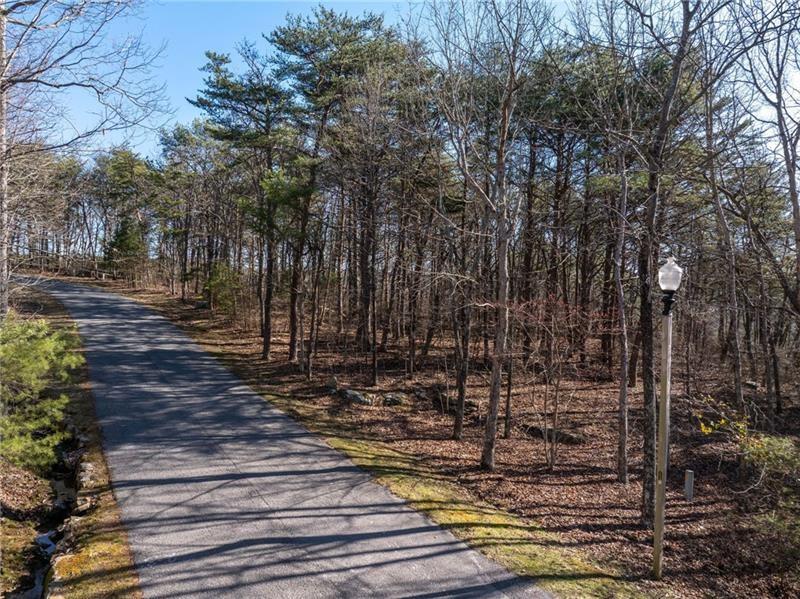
<point x="33" y="358"/>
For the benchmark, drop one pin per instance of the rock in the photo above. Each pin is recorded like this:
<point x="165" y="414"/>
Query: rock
<point x="441" y="402"/>
<point x="470" y="406"/>
<point x="85" y="505"/>
<point x="61" y="558"/>
<point x="333" y="384"/>
<point x="445" y="403"/>
<point x="355" y="397"/>
<point x="85" y="474"/>
<point x="56" y="583"/>
<point x="436" y="395"/>
<point x="751" y="384"/>
<point x="562" y="436"/>
<point x="394" y="399"/>
<point x="67" y="541"/>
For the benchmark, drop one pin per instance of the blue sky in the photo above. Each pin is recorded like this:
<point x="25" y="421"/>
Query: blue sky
<point x="189" y="28"/>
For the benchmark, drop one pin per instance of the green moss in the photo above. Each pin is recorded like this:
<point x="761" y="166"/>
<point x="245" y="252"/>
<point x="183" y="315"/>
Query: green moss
<point x="100" y="565"/>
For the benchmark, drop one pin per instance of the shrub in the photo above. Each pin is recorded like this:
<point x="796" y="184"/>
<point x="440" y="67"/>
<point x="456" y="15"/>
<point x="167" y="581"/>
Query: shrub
<point x="778" y="454"/>
<point x="776" y="458"/>
<point x="775" y="461"/>
<point x="770" y="465"/>
<point x="33" y="358"/>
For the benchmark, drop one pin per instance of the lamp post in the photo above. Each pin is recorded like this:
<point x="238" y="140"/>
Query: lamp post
<point x="669" y="279"/>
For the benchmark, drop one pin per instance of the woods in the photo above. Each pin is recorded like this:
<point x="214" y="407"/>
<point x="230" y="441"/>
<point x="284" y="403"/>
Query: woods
<point x="483" y="193"/>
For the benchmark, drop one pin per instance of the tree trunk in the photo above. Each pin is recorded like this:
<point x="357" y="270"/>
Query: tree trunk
<point x="648" y="255"/>
<point x="269" y="289"/>
<point x="501" y="328"/>
<point x="622" y="417"/>
<point x="728" y="250"/>
<point x="461" y="328"/>
<point x="5" y="273"/>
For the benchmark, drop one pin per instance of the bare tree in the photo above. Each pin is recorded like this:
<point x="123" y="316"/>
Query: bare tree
<point x="485" y="48"/>
<point x="615" y="109"/>
<point x="773" y="68"/>
<point x="675" y="33"/>
<point x="58" y="51"/>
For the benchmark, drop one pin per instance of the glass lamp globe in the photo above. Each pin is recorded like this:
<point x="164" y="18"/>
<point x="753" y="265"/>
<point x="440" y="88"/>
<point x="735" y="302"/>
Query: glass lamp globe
<point x="669" y="275"/>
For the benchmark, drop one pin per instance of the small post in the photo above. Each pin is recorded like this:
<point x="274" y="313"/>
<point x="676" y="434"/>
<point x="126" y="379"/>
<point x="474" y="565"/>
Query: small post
<point x="688" y="485"/>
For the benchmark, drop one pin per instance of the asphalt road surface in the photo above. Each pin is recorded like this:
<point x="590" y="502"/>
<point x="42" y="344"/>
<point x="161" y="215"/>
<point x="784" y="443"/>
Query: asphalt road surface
<point x="225" y="496"/>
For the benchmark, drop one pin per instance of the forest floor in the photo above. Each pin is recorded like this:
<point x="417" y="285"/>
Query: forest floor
<point x="713" y="546"/>
<point x="92" y="557"/>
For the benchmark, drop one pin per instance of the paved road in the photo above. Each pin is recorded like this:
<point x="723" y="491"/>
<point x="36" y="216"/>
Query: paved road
<point x="225" y="496"/>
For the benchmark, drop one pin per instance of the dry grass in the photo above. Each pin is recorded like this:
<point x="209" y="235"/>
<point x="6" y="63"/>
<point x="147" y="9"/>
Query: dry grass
<point x="18" y="553"/>
<point x="25" y="498"/>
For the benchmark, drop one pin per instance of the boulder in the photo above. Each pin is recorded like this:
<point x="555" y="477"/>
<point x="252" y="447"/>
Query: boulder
<point x="470" y="406"/>
<point x="333" y="384"/>
<point x="355" y="397"/>
<point x="448" y="404"/>
<point x="85" y="505"/>
<point x="86" y="475"/>
<point x="562" y="436"/>
<point x="394" y="399"/>
<point x="436" y="395"/>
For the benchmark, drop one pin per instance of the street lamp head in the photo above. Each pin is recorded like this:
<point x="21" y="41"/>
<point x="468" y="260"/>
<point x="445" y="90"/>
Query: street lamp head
<point x="669" y="276"/>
